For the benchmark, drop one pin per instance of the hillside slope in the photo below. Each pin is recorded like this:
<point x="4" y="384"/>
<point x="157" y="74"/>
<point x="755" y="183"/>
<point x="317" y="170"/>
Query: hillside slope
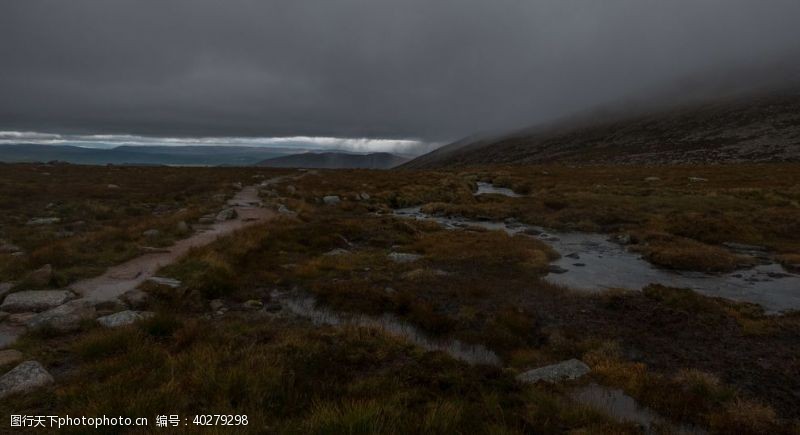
<point x="765" y="128"/>
<point x="334" y="160"/>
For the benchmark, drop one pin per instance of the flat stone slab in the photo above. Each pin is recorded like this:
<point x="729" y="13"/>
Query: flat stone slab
<point x="10" y="356"/>
<point x="169" y="282"/>
<point x="123" y="318"/>
<point x="23" y="378"/>
<point x="35" y="300"/>
<point x="565" y="370"/>
<point x="67" y="317"/>
<point x="400" y="257"/>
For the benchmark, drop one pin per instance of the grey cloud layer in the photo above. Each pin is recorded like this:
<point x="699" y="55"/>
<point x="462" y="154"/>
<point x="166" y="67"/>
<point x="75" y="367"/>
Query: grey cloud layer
<point x="433" y="70"/>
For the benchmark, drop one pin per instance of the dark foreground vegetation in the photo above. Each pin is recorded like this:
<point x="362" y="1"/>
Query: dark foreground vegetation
<point x="224" y="342"/>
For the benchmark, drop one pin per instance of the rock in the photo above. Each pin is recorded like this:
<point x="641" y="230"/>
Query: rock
<point x="291" y="189"/>
<point x="67" y="317"/>
<point x="283" y="210"/>
<point x="400" y="257"/>
<point x="697" y="179"/>
<point x="10" y="356"/>
<point x="622" y="239"/>
<point x="556" y="269"/>
<point x="23" y="378"/>
<point x="151" y="234"/>
<point x="253" y="304"/>
<point x="5" y="288"/>
<point x="216" y="304"/>
<point x="169" y="282"/>
<point x="365" y="196"/>
<point x="565" y="370"/>
<point x="650" y="179"/>
<point x="237" y="185"/>
<point x="206" y="220"/>
<point x="123" y="318"/>
<point x="226" y="215"/>
<point x="135" y="298"/>
<point x="40" y="277"/>
<point x="336" y="252"/>
<point x="44" y="221"/>
<point x="8" y="248"/>
<point x="183" y="227"/>
<point x="331" y="200"/>
<point x="113" y="186"/>
<point x="35" y="300"/>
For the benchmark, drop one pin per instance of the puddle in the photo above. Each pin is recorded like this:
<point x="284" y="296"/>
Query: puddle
<point x="487" y="188"/>
<point x="624" y="408"/>
<point x="129" y="275"/>
<point x="590" y="262"/>
<point x="471" y="354"/>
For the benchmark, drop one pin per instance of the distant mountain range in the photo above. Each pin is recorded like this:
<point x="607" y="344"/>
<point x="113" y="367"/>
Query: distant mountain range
<point x="333" y="160"/>
<point x="752" y="128"/>
<point x="141" y="155"/>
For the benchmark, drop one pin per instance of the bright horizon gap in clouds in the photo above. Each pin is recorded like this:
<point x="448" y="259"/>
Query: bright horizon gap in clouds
<point x="301" y="143"/>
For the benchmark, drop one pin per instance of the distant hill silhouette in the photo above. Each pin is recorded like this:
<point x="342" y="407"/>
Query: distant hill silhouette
<point x="335" y="160"/>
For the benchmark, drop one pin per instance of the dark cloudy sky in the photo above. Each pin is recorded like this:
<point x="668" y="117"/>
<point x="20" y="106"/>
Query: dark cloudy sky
<point x="431" y="70"/>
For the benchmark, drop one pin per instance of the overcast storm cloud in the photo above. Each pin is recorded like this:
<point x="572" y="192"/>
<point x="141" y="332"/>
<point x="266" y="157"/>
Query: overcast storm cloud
<point x="412" y="69"/>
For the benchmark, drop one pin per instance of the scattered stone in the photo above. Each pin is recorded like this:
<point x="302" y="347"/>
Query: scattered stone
<point x="123" y="318"/>
<point x="10" y="356"/>
<point x="35" y="300"/>
<point x="113" y="186"/>
<point x="253" y="304"/>
<point x="183" y="227"/>
<point x="336" y="252"/>
<point x="40" y="277"/>
<point x="226" y="215"/>
<point x="44" y="221"/>
<point x="282" y="209"/>
<point x="565" y="370"/>
<point x="135" y="298"/>
<point x="556" y="269"/>
<point x="622" y="239"/>
<point x="216" y="304"/>
<point x="23" y="378"/>
<point x="697" y="179"/>
<point x="331" y="200"/>
<point x="8" y="248"/>
<point x="400" y="257"/>
<point x="67" y="317"/>
<point x="151" y="234"/>
<point x="169" y="282"/>
<point x="365" y="196"/>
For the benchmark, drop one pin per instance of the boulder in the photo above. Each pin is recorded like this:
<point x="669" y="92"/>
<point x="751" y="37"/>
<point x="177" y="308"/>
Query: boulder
<point x="10" y="356"/>
<point x="336" y="252"/>
<point x="183" y="227"/>
<point x="123" y="318"/>
<point x="150" y="234"/>
<point x="253" y="304"/>
<point x="135" y="298"/>
<point x="67" y="317"/>
<point x="226" y="215"/>
<point x="23" y="378"/>
<point x="331" y="200"/>
<point x="8" y="248"/>
<point x="169" y="282"/>
<point x="401" y="257"/>
<point x="44" y="221"/>
<point x="565" y="370"/>
<point x="40" y="277"/>
<point x="35" y="300"/>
